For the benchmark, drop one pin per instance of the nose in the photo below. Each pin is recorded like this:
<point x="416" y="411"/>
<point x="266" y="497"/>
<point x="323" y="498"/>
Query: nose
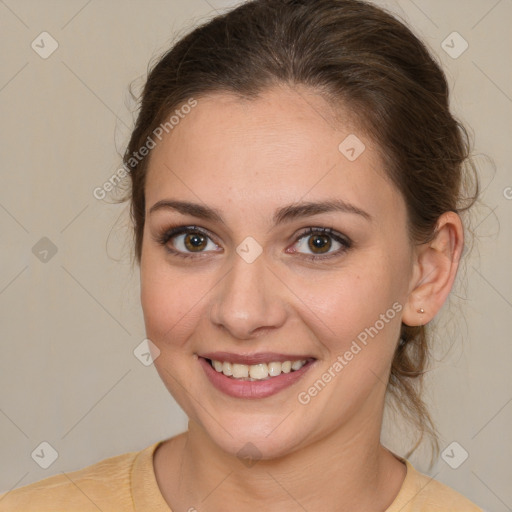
<point x="248" y="300"/>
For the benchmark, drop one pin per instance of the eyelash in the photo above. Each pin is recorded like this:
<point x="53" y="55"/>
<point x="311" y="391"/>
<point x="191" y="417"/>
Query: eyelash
<point x="169" y="233"/>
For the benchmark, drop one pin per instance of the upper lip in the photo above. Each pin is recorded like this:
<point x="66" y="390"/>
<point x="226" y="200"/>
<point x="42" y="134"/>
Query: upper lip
<point x="248" y="359"/>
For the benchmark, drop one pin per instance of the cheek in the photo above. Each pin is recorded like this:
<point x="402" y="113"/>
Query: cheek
<point x="171" y="301"/>
<point x="357" y="319"/>
<point x="347" y="303"/>
<point x="171" y="313"/>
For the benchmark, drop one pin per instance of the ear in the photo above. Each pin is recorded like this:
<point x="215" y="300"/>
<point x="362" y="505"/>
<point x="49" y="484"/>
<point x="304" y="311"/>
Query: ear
<point x="435" y="268"/>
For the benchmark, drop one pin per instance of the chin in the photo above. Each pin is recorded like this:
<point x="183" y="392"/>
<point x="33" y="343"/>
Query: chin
<point x="265" y="437"/>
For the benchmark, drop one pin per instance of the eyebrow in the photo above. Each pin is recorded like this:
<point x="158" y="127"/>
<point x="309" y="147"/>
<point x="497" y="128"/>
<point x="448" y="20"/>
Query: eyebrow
<point x="281" y="215"/>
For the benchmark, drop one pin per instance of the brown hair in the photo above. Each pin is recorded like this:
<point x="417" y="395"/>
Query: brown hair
<point x="357" y="56"/>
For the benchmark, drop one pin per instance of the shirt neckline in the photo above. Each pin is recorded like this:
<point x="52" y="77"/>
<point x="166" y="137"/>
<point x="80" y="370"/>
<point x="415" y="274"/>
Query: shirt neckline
<point x="146" y="494"/>
<point x="405" y="494"/>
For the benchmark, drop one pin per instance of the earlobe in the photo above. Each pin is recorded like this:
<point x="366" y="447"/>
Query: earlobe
<point x="435" y="268"/>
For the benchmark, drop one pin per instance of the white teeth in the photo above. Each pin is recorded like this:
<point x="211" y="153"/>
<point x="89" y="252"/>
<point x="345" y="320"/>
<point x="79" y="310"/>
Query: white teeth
<point x="227" y="369"/>
<point x="240" y="370"/>
<point x="260" y="371"/>
<point x="274" y="369"/>
<point x="286" y="366"/>
<point x="297" y="365"/>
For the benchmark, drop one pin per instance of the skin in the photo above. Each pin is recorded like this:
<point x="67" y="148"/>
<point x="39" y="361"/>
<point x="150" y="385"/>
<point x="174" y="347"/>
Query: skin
<point x="247" y="158"/>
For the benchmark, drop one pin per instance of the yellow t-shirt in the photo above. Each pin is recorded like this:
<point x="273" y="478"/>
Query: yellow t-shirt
<point x="127" y="482"/>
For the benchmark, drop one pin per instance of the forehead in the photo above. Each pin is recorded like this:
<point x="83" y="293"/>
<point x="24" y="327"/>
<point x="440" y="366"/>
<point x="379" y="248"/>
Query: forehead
<point x="282" y="146"/>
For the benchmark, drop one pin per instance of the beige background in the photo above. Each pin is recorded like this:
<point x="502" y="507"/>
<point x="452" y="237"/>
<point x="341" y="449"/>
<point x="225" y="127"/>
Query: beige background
<point x="69" y="326"/>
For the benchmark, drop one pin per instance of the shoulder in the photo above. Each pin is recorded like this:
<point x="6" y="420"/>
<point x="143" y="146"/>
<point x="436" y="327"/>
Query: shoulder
<point x="422" y="493"/>
<point x="104" y="486"/>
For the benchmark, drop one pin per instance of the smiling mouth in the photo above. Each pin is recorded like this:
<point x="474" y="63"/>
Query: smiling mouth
<point x="257" y="372"/>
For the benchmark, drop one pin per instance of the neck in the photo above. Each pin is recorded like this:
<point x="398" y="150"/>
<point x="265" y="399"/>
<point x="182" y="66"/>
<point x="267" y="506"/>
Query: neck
<point x="347" y="470"/>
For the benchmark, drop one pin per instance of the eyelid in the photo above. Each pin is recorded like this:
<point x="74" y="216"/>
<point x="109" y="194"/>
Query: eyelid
<point x="340" y="237"/>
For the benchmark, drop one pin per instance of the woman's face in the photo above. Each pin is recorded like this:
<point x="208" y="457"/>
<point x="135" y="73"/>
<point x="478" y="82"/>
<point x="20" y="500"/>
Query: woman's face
<point x="241" y="288"/>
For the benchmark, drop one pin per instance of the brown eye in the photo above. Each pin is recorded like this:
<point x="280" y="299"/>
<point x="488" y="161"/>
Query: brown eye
<point x="186" y="241"/>
<point x="320" y="241"/>
<point x="194" y="242"/>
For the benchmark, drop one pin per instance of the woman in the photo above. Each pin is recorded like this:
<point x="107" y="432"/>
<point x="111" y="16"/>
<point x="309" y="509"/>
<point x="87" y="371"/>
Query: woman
<point x="296" y="188"/>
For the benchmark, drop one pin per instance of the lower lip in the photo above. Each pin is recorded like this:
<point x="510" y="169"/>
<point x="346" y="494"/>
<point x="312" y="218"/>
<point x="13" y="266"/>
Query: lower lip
<point x="252" y="389"/>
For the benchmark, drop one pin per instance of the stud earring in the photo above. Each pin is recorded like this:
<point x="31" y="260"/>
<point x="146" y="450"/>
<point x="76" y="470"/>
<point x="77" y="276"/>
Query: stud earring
<point x="421" y="310"/>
